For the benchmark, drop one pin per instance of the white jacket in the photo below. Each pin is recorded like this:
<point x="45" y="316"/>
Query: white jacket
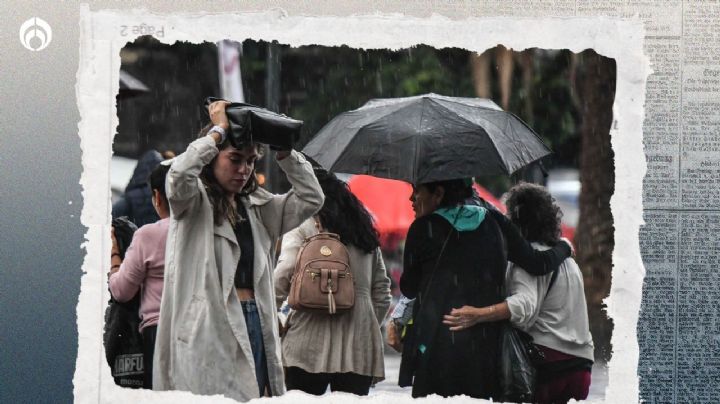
<point x="202" y="341"/>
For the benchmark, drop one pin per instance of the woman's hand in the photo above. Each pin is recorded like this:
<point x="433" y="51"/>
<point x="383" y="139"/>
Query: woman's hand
<point x="393" y="333"/>
<point x="468" y="316"/>
<point x="115" y="249"/>
<point x="463" y="318"/>
<point x="217" y="114"/>
<point x="114" y="253"/>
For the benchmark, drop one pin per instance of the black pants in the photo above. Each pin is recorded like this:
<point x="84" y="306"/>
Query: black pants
<point x="148" y="334"/>
<point x="317" y="383"/>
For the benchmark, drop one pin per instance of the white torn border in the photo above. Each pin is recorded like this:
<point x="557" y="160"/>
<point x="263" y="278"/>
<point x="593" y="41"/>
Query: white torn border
<point x="97" y="83"/>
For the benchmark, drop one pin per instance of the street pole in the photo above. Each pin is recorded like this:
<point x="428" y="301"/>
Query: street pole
<point x="274" y="178"/>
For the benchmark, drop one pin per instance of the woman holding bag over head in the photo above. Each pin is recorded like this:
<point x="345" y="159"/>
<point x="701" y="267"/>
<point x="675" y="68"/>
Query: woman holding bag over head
<point x="218" y="321"/>
<point x="342" y="350"/>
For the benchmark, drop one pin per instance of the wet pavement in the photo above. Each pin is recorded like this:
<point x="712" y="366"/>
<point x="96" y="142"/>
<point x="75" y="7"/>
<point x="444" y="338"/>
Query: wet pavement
<point x="392" y="365"/>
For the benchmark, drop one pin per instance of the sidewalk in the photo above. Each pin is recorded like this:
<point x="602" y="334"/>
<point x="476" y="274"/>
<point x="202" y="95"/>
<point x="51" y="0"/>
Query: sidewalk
<point x="392" y="367"/>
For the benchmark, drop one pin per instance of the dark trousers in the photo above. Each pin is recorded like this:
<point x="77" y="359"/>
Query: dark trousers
<point x="562" y="377"/>
<point x="317" y="383"/>
<point x="148" y="334"/>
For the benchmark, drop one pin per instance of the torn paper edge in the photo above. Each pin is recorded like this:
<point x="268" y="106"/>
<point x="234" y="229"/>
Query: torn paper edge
<point x="97" y="83"/>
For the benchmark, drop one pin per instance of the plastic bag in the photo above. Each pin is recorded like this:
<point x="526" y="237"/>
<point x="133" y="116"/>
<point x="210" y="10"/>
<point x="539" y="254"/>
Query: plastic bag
<point x="517" y="371"/>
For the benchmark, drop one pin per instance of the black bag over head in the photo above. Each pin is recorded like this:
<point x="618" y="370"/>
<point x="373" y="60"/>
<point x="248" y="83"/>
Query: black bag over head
<point x="121" y="336"/>
<point x="250" y="123"/>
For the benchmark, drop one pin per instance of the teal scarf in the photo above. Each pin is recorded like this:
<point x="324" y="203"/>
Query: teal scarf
<point x="463" y="218"/>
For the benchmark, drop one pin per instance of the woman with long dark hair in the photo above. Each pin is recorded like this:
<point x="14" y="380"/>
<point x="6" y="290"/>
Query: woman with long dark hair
<point x="218" y="321"/>
<point x="455" y="256"/>
<point x="344" y="351"/>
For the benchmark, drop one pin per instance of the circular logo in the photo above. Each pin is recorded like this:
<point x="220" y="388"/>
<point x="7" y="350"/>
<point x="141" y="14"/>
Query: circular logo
<point x="35" y="34"/>
<point x="325" y="250"/>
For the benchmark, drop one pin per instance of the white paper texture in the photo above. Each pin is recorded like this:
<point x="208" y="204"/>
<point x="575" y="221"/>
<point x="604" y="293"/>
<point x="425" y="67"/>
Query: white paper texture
<point x="621" y="36"/>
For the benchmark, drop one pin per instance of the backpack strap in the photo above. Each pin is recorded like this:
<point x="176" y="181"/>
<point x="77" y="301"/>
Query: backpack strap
<point x="437" y="262"/>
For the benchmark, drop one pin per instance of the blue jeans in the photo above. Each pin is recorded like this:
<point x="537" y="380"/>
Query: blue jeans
<point x="252" y="319"/>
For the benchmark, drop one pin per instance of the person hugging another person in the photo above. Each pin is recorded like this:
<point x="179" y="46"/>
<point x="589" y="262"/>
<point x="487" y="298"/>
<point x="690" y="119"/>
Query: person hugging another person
<point x="342" y="350"/>
<point x="218" y="329"/>
<point x="143" y="268"/>
<point x="551" y="308"/>
<point x="454" y="258"/>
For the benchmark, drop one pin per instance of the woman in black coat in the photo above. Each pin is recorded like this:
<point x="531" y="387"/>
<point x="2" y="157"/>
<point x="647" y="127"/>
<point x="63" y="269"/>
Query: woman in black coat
<point x="456" y="255"/>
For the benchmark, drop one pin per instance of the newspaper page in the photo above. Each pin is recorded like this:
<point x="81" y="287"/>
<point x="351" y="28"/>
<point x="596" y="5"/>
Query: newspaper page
<point x="666" y="345"/>
<point x="679" y="326"/>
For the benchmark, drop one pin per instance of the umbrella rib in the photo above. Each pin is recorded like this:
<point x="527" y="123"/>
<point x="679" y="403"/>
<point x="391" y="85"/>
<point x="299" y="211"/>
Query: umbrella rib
<point x="472" y="106"/>
<point x="531" y="131"/>
<point x="356" y="137"/>
<point x="416" y="157"/>
<point x="511" y="116"/>
<point x="495" y="150"/>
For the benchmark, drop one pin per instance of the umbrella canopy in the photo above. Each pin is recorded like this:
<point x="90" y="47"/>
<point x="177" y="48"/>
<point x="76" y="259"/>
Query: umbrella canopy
<point x="426" y="138"/>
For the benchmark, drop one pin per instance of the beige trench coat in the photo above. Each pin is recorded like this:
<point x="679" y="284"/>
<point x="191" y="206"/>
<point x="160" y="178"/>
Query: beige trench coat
<point x="338" y="343"/>
<point x="202" y="340"/>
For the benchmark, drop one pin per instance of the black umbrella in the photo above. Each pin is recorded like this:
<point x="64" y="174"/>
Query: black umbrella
<point x="130" y="86"/>
<point x="426" y="138"/>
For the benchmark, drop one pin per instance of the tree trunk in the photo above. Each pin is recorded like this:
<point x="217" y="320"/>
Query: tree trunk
<point x="480" y="67"/>
<point x="594" y="235"/>
<point x="527" y="58"/>
<point x="506" y="65"/>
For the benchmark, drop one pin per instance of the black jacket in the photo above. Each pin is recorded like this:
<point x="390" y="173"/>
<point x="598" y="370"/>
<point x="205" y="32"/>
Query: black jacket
<point x="136" y="202"/>
<point x="471" y="272"/>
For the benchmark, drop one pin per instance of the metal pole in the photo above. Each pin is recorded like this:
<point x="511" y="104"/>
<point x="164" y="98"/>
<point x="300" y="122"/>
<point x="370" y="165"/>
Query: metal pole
<point x="275" y="179"/>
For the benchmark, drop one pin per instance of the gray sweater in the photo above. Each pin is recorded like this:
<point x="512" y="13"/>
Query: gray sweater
<point x="558" y="321"/>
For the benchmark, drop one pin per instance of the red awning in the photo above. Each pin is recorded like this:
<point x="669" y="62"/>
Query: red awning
<point x="388" y="201"/>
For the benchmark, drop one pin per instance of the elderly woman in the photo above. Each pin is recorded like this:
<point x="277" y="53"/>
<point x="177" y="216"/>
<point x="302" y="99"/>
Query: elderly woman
<point x="551" y="308"/>
<point x="454" y="258"/>
<point x="218" y="320"/>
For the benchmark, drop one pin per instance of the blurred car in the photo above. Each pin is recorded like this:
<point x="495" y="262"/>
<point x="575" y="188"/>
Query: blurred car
<point x="564" y="185"/>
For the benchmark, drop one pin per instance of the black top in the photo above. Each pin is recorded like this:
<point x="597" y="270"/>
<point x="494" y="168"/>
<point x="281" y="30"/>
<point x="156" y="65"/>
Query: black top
<point x="243" y="233"/>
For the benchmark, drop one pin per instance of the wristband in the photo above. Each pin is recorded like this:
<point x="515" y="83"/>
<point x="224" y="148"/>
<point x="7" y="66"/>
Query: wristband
<point x="114" y="254"/>
<point x="221" y="131"/>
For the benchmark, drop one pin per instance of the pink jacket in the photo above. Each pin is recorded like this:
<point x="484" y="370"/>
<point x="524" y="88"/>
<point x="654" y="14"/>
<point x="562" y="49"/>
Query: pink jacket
<point x="144" y="266"/>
